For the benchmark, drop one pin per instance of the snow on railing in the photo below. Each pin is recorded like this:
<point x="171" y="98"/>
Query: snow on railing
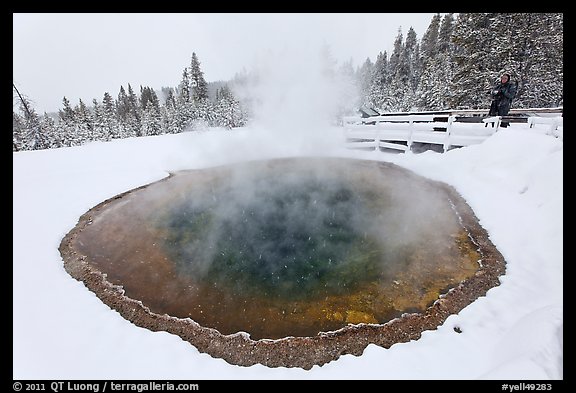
<point x="555" y="124"/>
<point x="494" y="121"/>
<point x="400" y="132"/>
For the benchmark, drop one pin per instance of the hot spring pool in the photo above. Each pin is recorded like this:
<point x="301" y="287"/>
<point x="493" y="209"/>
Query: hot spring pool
<point x="285" y="250"/>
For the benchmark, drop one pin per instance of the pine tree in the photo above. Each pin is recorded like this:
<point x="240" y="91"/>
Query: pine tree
<point x="394" y="61"/>
<point x="227" y="109"/>
<point x="535" y="58"/>
<point x="50" y="130"/>
<point x="444" y="42"/>
<point x="122" y="106"/>
<point x="151" y="121"/>
<point x="429" y="44"/>
<point x="184" y="88"/>
<point x="135" y="118"/>
<point x="170" y="101"/>
<point x="410" y="54"/>
<point x="475" y="57"/>
<point x="109" y="118"/>
<point x="398" y="86"/>
<point x="99" y="132"/>
<point x="364" y="78"/>
<point x="171" y="118"/>
<point x="199" y="89"/>
<point x="184" y="111"/>
<point x="434" y="90"/>
<point x="34" y="137"/>
<point x="150" y="107"/>
<point x="18" y="132"/>
<point x="145" y="97"/>
<point x="26" y="131"/>
<point x="405" y="80"/>
<point x="67" y="114"/>
<point x="83" y="123"/>
<point x="203" y="115"/>
<point x="378" y="94"/>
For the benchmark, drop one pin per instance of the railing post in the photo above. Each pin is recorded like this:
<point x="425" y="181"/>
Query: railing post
<point x="448" y="133"/>
<point x="553" y="126"/>
<point x="411" y="127"/>
<point x="498" y="123"/>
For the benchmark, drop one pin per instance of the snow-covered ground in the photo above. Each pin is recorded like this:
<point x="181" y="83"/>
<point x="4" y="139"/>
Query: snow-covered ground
<point x="513" y="181"/>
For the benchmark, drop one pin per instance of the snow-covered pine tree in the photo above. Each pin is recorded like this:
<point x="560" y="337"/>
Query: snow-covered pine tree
<point x="18" y="132"/>
<point x="26" y="131"/>
<point x="66" y="114"/>
<point x="434" y="91"/>
<point x="168" y="93"/>
<point x="427" y="93"/>
<point x="150" y="108"/>
<point x="411" y="56"/>
<point x="429" y="42"/>
<point x="394" y="60"/>
<point x="145" y="97"/>
<point x="203" y="115"/>
<point x="444" y="65"/>
<point x="122" y="110"/>
<point x="67" y="124"/>
<point x="84" y="130"/>
<point x="405" y="79"/>
<point x="475" y="57"/>
<point x="134" y="113"/>
<point x="99" y="131"/>
<point x="184" y="88"/>
<point x="111" y="128"/>
<point x="364" y="79"/>
<point x="444" y="42"/>
<point x="151" y="121"/>
<point x="221" y="107"/>
<point x="397" y="87"/>
<point x="32" y="136"/>
<point x="378" y="93"/>
<point x="184" y="111"/>
<point x="171" y="118"/>
<point x="50" y="130"/>
<point x="228" y="111"/>
<point x="535" y="57"/>
<point x="199" y="87"/>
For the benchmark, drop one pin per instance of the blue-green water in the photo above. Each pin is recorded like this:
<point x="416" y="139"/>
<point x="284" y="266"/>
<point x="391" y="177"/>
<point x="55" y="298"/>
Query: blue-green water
<point x="301" y="239"/>
<point x="288" y="247"/>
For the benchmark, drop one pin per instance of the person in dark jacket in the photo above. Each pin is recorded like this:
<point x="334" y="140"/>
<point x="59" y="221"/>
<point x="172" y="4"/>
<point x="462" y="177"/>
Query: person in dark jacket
<point x="502" y="96"/>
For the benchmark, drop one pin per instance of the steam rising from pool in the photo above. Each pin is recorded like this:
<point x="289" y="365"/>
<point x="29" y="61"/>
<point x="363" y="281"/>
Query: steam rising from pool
<point x="289" y="235"/>
<point x="287" y="247"/>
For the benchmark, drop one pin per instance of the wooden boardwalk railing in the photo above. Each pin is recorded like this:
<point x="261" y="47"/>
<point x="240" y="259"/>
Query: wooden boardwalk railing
<point x="403" y="131"/>
<point x="444" y="129"/>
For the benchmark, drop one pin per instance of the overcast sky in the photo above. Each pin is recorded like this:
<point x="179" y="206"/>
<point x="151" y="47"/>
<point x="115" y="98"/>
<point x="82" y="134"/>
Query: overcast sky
<point x="81" y="56"/>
